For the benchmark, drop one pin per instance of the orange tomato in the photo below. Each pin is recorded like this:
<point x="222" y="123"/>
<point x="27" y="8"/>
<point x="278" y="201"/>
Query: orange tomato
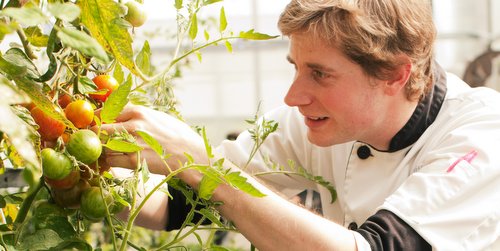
<point x="80" y="113"/>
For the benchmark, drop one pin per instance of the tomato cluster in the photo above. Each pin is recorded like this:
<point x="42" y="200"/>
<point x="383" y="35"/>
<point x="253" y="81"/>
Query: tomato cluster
<point x="72" y="165"/>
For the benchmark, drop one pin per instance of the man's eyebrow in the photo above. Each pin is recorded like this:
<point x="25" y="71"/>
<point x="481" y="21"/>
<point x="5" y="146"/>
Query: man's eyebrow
<point x="313" y="65"/>
<point x="319" y="67"/>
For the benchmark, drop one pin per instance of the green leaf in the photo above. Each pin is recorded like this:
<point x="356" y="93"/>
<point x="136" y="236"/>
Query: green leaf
<point x="122" y="146"/>
<point x="73" y="244"/>
<point x="116" y="102"/>
<point x="118" y="73"/>
<point x="252" y="35"/>
<point x="18" y="131"/>
<point x="206" y="34"/>
<point x="31" y="175"/>
<point x="107" y="175"/>
<point x="35" y="36"/>
<point x="212" y="216"/>
<point x="104" y="20"/>
<point x="151" y="142"/>
<point x="207" y="2"/>
<point x="58" y="224"/>
<point x="208" y="147"/>
<point x="3" y="203"/>
<point x="145" y="171"/>
<point x="18" y="57"/>
<point x="7" y="28"/>
<point x="143" y="59"/>
<point x="86" y="85"/>
<point x="178" y="4"/>
<point x="207" y="187"/>
<point x="222" y="20"/>
<point x="42" y="239"/>
<point x="198" y="237"/>
<point x="240" y="182"/>
<point x="198" y="55"/>
<point x="229" y="46"/>
<point x="14" y="126"/>
<point x="193" y="28"/>
<point x="119" y="199"/>
<point x="64" y="11"/>
<point x="82" y="42"/>
<point x="27" y="16"/>
<point x="11" y="68"/>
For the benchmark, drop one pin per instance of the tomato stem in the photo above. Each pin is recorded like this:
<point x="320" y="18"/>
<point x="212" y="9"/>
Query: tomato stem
<point x="131" y="218"/>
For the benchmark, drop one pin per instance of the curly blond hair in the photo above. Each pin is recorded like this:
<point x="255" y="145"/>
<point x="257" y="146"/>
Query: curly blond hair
<point x="372" y="33"/>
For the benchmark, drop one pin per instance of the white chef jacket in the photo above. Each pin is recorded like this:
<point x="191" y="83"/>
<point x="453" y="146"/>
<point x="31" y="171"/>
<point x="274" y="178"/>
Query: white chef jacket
<point x="446" y="185"/>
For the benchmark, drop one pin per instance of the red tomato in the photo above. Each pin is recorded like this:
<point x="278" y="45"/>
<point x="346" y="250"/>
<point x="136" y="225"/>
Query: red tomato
<point x="65" y="183"/>
<point x="80" y="113"/>
<point x="104" y="82"/>
<point x="50" y="129"/>
<point x="70" y="198"/>
<point x="64" y="100"/>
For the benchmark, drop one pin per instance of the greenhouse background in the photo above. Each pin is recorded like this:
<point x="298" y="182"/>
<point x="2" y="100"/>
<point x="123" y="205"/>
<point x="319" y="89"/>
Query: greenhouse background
<point x="224" y="89"/>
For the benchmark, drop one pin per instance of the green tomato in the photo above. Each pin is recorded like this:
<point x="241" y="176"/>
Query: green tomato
<point x="55" y="165"/>
<point x="136" y="15"/>
<point x="85" y="146"/>
<point x="93" y="205"/>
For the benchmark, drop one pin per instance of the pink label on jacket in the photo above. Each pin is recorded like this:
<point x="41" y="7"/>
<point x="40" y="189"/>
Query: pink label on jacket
<point x="468" y="157"/>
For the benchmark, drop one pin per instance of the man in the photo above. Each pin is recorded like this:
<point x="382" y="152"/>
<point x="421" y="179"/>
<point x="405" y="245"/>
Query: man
<point x="411" y="150"/>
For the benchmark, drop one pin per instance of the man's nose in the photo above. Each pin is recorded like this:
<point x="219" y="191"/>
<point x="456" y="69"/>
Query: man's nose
<point x="297" y="95"/>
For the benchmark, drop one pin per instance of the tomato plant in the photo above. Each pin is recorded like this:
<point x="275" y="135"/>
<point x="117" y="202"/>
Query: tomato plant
<point x="55" y="165"/>
<point x="80" y="113"/>
<point x="70" y="54"/>
<point x="106" y="84"/>
<point x="49" y="128"/>
<point x="136" y="15"/>
<point x="85" y="146"/>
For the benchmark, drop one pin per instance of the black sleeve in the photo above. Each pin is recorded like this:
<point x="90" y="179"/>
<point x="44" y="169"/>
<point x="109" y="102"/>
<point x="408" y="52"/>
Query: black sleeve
<point x="178" y="210"/>
<point x="386" y="231"/>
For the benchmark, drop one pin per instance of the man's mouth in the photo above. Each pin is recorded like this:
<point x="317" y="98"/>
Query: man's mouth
<point x="317" y="118"/>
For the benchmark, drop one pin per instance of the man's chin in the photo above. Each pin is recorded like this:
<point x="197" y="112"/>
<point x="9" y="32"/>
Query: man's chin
<point x="319" y="141"/>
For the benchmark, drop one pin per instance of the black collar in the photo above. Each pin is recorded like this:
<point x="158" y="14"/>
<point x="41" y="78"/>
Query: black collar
<point x="425" y="113"/>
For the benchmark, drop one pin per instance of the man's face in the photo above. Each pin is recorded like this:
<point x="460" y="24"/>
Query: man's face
<point x="339" y="102"/>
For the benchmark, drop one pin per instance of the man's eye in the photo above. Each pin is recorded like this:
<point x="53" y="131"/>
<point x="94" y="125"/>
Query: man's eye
<point x="318" y="74"/>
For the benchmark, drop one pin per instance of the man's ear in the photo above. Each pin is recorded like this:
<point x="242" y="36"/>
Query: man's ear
<point x="399" y="76"/>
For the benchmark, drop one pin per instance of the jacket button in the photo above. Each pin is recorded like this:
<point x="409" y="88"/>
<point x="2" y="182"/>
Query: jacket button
<point x="364" y="152"/>
<point x="352" y="226"/>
